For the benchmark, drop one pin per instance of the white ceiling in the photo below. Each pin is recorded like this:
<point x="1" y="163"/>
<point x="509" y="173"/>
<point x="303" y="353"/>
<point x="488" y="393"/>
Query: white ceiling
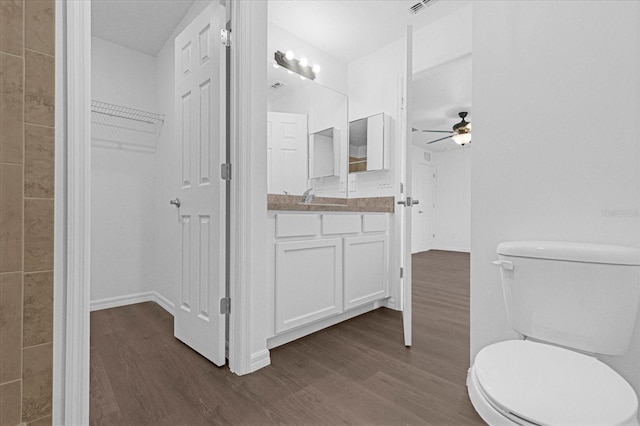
<point x="141" y="25"/>
<point x="439" y="95"/>
<point x="346" y="29"/>
<point x="351" y="29"/>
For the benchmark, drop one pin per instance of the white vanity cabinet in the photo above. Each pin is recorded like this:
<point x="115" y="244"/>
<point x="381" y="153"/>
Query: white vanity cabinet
<point x="308" y="281"/>
<point x="325" y="266"/>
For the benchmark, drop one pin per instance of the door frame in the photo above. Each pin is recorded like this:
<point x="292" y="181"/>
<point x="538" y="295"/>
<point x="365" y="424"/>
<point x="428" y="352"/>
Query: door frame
<point x="72" y="225"/>
<point x="421" y="163"/>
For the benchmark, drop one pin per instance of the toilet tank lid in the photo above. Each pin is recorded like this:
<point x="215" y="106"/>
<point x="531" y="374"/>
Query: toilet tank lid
<point x="571" y="251"/>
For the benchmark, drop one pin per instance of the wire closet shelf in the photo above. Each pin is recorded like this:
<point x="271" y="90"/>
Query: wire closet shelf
<point x="123" y="117"/>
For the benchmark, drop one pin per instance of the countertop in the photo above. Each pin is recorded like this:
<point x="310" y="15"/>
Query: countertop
<point x="326" y="204"/>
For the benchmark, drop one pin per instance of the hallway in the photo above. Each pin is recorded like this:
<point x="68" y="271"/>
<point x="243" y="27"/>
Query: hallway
<point x="357" y="372"/>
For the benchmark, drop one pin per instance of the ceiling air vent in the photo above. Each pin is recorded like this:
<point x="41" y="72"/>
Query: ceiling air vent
<point x="277" y="85"/>
<point x="419" y="6"/>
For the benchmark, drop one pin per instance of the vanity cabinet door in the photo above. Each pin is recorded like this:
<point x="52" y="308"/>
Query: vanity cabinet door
<point x="308" y="282"/>
<point x="365" y="270"/>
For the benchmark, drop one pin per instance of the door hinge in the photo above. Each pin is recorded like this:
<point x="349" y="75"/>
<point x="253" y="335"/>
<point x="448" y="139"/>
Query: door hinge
<point x="401" y="272"/>
<point x="225" y="305"/>
<point x="225" y="171"/>
<point x="402" y="102"/>
<point x="401" y="188"/>
<point x="225" y="37"/>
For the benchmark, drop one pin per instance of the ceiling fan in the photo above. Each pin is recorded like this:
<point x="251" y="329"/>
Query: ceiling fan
<point x="461" y="133"/>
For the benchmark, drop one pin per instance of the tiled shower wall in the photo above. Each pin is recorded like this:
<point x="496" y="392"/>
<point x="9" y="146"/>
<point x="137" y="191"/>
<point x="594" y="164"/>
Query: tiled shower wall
<point x="27" y="76"/>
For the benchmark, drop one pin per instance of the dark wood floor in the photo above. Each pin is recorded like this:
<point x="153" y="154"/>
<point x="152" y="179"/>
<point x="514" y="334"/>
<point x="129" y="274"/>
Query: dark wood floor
<point x="357" y="372"/>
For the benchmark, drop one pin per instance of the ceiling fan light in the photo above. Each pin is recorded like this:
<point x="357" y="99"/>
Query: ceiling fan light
<point x="461" y="138"/>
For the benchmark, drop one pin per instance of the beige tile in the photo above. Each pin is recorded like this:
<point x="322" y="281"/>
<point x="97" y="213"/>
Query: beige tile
<point x="38" y="235"/>
<point x="11" y="108"/>
<point x="38" y="161"/>
<point x="10" y="399"/>
<point x="44" y="421"/>
<point x="39" y="88"/>
<point x="39" y="26"/>
<point x="36" y="382"/>
<point x="11" y="24"/>
<point x="10" y="217"/>
<point x="37" y="309"/>
<point x="10" y="326"/>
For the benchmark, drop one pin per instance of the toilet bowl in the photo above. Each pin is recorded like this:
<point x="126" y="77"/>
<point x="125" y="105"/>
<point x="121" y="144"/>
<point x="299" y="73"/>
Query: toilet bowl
<point x="519" y="382"/>
<point x="566" y="299"/>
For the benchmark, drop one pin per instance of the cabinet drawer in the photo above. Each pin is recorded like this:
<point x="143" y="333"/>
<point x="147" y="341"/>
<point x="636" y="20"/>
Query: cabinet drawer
<point x="297" y="225"/>
<point x="341" y="224"/>
<point x="365" y="270"/>
<point x="308" y="282"/>
<point x="374" y="223"/>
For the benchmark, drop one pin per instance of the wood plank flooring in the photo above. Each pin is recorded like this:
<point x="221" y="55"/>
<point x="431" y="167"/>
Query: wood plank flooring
<point x="357" y="372"/>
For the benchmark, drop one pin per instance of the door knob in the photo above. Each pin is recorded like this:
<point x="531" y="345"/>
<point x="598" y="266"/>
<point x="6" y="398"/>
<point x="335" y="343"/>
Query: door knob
<point x="409" y="202"/>
<point x="175" y="202"/>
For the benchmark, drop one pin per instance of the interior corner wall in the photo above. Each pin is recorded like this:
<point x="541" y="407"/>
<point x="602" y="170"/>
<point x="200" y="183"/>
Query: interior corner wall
<point x="441" y="41"/>
<point x="375" y="87"/>
<point x="555" y="155"/>
<point x="453" y="200"/>
<point x="121" y="177"/>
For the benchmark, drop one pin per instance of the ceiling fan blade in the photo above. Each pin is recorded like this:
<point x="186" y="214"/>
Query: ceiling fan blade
<point x="438" y="140"/>
<point x="438" y="131"/>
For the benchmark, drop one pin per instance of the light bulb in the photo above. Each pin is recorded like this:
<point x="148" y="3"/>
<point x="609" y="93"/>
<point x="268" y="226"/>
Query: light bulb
<point x="316" y="68"/>
<point x="462" y="138"/>
<point x="302" y="77"/>
<point x="276" y="66"/>
<point x="289" y="55"/>
<point x="290" y="72"/>
<point x="304" y="62"/>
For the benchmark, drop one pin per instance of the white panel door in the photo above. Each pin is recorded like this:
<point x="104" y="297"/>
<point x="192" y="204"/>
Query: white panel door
<point x="308" y="282"/>
<point x="199" y="116"/>
<point x="365" y="270"/>
<point x="287" y="153"/>
<point x="423" y="215"/>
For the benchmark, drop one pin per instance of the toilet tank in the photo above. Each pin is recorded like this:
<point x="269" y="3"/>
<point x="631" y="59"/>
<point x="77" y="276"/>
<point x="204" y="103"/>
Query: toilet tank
<point x="579" y="295"/>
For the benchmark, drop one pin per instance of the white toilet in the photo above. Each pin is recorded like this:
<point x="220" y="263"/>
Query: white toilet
<point x="570" y="301"/>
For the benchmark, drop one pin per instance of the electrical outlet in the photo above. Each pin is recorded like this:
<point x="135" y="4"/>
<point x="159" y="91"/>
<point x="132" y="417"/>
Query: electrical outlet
<point x="352" y="183"/>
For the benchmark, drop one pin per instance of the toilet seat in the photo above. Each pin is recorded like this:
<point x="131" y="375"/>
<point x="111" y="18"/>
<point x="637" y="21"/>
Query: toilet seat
<point x="535" y="383"/>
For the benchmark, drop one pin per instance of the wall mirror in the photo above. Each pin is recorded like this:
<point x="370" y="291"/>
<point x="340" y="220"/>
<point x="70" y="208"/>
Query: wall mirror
<point x="324" y="156"/>
<point x="368" y="143"/>
<point x="307" y="129"/>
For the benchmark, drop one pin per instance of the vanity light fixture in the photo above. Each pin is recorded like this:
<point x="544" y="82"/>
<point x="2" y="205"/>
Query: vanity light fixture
<point x="299" y="66"/>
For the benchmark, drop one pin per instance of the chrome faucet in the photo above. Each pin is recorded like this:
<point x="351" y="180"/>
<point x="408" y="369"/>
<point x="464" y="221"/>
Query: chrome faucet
<point x="308" y="196"/>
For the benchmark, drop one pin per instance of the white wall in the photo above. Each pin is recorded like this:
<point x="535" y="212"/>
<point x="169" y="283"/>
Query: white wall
<point x="121" y="236"/>
<point x="334" y="76"/>
<point x="333" y="73"/>
<point x="375" y="86"/>
<point x="324" y="108"/>
<point x="556" y="100"/>
<point x="453" y="200"/>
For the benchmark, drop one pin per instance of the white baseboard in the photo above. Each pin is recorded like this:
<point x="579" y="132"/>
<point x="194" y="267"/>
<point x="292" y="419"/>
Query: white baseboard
<point x="259" y="360"/>
<point x="165" y="303"/>
<point x="130" y="299"/>
<point x="296" y="333"/>
<point x="458" y="249"/>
